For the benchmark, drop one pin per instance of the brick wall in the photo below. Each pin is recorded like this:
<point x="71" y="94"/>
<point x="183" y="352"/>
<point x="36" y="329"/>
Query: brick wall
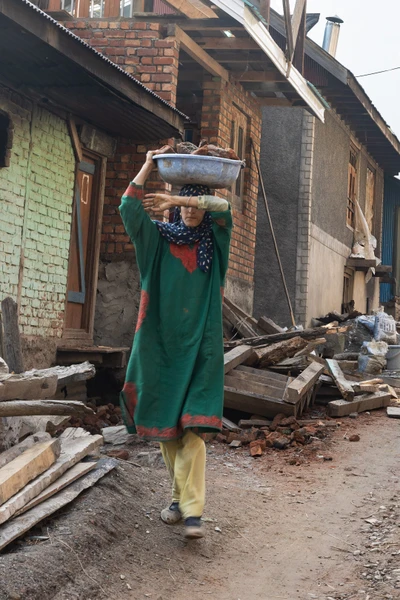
<point x="137" y="47"/>
<point x="36" y="193"/>
<point x="219" y="99"/>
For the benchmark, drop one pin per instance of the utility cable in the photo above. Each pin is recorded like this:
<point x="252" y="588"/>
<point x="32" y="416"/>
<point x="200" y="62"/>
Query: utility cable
<point x="379" y="72"/>
<point x="273" y="236"/>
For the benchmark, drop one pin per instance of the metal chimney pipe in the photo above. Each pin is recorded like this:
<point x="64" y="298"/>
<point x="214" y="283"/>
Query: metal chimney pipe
<point x="331" y="37"/>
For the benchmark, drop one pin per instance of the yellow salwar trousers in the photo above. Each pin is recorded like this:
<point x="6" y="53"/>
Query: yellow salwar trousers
<point x="185" y="460"/>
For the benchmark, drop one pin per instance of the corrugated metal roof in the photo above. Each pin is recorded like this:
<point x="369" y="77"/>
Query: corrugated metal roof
<point x="104" y="58"/>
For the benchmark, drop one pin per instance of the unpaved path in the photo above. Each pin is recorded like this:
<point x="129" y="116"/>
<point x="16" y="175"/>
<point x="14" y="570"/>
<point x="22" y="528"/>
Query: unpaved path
<point x="286" y="531"/>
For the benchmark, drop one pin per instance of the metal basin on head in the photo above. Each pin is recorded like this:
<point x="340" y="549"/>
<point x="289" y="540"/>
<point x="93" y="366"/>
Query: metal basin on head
<point x="181" y="169"/>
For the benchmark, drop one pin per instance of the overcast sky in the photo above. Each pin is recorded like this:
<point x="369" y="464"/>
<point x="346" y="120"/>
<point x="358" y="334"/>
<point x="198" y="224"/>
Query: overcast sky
<point x="369" y="41"/>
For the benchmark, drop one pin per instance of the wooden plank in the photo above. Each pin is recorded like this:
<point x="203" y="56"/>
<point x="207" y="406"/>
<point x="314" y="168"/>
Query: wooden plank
<point x="224" y="43"/>
<point x="241" y="324"/>
<point x="20" y="408"/>
<point x="241" y="314"/>
<point x="311" y="346"/>
<point x="306" y="334"/>
<point x="297" y="17"/>
<point x="27" y="386"/>
<point x="289" y="30"/>
<point x="276" y="352"/>
<point x="73" y="449"/>
<point x="269" y="326"/>
<point x="69" y="476"/>
<point x="227" y="424"/>
<point x="342" y="408"/>
<point x="197" y="53"/>
<point x="194" y="9"/>
<point x="259" y="378"/>
<point x="264" y="373"/>
<point x="15" y="451"/>
<point x="75" y="141"/>
<point x="304" y="382"/>
<point x="236" y="357"/>
<point x="31" y="463"/>
<point x="244" y="383"/>
<point x="393" y="412"/>
<point x="22" y="524"/>
<point x="11" y="341"/>
<point x="344" y="386"/>
<point x="257" y="404"/>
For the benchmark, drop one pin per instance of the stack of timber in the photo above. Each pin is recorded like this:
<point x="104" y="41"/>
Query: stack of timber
<point x="283" y="372"/>
<point x="41" y="475"/>
<point x="39" y="392"/>
<point x="357" y="394"/>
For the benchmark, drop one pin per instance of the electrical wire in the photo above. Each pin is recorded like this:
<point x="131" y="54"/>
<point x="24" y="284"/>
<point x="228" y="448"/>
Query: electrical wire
<point x="379" y="72"/>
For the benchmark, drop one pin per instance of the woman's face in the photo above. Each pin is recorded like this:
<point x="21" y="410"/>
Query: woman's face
<point x="192" y="217"/>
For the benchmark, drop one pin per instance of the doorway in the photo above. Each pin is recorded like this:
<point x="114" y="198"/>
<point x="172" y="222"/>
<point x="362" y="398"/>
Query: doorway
<point x="84" y="250"/>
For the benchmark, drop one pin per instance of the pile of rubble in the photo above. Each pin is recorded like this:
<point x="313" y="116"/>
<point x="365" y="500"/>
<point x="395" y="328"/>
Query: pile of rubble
<point x="277" y="374"/>
<point x="280" y="433"/>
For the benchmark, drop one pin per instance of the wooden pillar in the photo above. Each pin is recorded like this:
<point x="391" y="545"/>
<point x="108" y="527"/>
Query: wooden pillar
<point x="265" y="8"/>
<point x="83" y="8"/>
<point x="111" y="8"/>
<point x="12" y="341"/>
<point x="54" y="5"/>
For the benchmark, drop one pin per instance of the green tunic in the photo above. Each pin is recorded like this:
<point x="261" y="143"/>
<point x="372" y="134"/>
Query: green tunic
<point x="175" y="376"/>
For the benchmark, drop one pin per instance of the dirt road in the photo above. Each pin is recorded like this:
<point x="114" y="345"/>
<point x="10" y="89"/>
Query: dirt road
<point x="274" y="530"/>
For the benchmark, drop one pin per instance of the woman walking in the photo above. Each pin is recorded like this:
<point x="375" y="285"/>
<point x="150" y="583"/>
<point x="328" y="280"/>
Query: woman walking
<point x="174" y="385"/>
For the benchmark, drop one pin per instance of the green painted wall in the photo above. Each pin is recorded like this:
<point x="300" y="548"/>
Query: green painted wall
<point x="36" y="193"/>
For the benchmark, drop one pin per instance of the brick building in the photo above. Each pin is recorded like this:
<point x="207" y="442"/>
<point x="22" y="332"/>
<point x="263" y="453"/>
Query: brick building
<point x="52" y="164"/>
<point x="218" y="66"/>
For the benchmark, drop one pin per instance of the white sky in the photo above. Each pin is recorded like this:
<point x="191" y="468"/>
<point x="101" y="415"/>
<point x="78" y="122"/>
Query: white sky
<point x="369" y="41"/>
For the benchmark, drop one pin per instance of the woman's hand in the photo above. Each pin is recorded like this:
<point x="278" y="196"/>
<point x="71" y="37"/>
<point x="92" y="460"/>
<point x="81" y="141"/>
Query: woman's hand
<point x="158" y="203"/>
<point x="152" y="153"/>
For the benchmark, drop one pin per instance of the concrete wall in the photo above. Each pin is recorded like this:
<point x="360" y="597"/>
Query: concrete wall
<point x="36" y="192"/>
<point x="280" y="166"/>
<point x="328" y="216"/>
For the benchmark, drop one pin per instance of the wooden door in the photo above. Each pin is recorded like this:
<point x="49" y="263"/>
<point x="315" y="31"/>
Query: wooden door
<point x="84" y="251"/>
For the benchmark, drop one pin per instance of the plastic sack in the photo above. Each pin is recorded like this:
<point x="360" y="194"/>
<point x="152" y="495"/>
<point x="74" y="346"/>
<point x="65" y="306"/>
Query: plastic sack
<point x="385" y="328"/>
<point x="368" y="321"/>
<point x="372" y="358"/>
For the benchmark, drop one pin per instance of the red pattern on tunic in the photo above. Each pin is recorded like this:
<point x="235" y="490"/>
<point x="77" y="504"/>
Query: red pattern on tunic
<point x="186" y="421"/>
<point x="134" y="192"/>
<point x="144" y="303"/>
<point x="130" y="397"/>
<point x="186" y="254"/>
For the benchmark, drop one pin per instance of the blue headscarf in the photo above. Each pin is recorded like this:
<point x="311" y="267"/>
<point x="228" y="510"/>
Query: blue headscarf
<point x="179" y="233"/>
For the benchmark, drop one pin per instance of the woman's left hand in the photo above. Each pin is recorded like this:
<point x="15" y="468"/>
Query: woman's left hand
<point x="158" y="203"/>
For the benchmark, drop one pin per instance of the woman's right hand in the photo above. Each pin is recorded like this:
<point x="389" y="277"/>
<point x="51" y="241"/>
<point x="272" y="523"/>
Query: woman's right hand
<point x="152" y="153"/>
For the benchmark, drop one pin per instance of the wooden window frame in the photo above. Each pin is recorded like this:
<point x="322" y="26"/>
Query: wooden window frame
<point x="240" y="128"/>
<point x="370" y="217"/>
<point x="6" y="139"/>
<point x="352" y="185"/>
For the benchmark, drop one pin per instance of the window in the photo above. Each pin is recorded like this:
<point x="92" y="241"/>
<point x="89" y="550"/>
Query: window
<point x="370" y="197"/>
<point x="96" y="9"/>
<point x="238" y="143"/>
<point x="348" y="287"/>
<point x="5" y="139"/>
<point x="68" y="5"/>
<point x="352" y="186"/>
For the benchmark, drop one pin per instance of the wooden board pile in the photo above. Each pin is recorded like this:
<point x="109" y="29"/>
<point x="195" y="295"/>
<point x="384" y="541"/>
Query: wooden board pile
<point x="269" y="371"/>
<point x="41" y="474"/>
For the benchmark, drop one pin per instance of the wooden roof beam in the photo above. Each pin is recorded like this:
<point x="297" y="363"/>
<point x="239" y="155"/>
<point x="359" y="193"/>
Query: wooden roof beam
<point x="225" y="43"/>
<point x="260" y="77"/>
<point x="197" y="53"/>
<point x="193" y="9"/>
